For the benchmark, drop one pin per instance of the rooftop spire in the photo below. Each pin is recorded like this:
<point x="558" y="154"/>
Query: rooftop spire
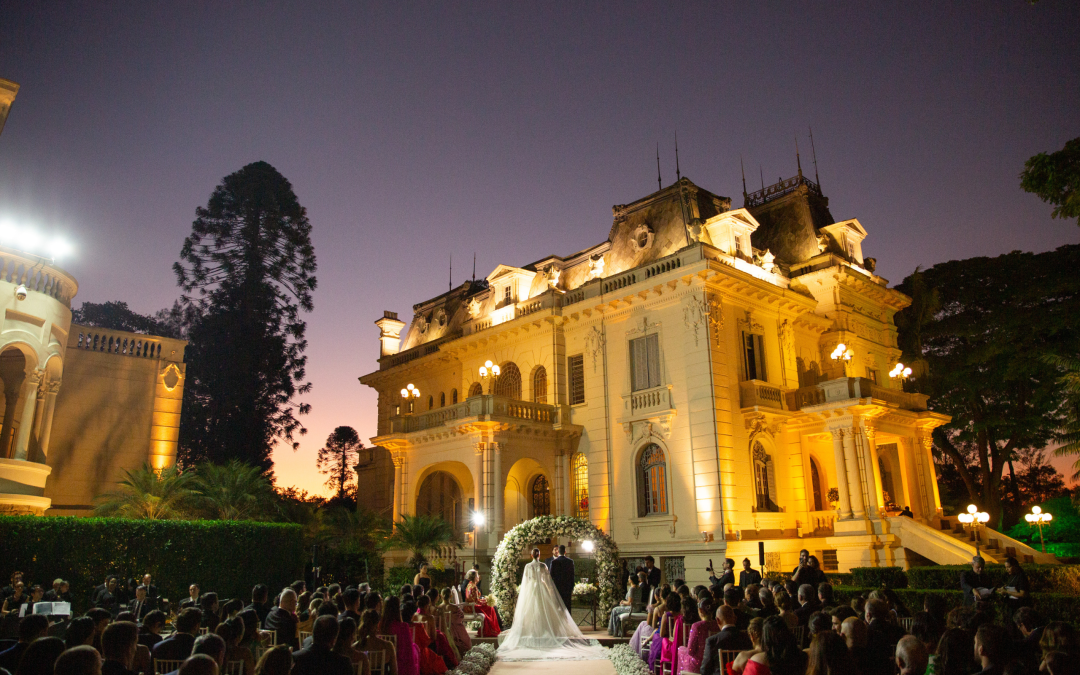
<point x="814" y="150"/>
<point x="659" y="184"/>
<point x="743" y="170"/>
<point x="762" y="173"/>
<point x="798" y="162"/>
<point x="474" y="266"/>
<point x="678" y="174"/>
<point x="450" y="286"/>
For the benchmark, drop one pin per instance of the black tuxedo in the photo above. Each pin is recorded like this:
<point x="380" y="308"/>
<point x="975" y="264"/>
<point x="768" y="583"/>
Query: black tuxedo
<point x="729" y="638"/>
<point x="548" y="562"/>
<point x="749" y="578"/>
<point x="654" y="576"/>
<point x="141" y="609"/>
<point x="726" y="578"/>
<point x="562" y="574"/>
<point x="320" y="660"/>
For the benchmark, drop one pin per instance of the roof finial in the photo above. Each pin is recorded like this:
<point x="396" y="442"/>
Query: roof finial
<point x="743" y="169"/>
<point x="814" y="150"/>
<point x="659" y="184"/>
<point x="474" y="266"/>
<point x="762" y="177"/>
<point x="451" y="284"/>
<point x="798" y="162"/>
<point x="678" y="174"/>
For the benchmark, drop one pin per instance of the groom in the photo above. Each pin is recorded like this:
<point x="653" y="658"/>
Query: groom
<point x="562" y="574"/>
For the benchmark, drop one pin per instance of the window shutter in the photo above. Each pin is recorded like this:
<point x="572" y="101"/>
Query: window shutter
<point x="639" y="365"/>
<point x="576" y="366"/>
<point x="652" y="343"/>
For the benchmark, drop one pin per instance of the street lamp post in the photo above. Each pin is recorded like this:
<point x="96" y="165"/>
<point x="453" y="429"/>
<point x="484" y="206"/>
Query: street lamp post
<point x="843" y="354"/>
<point x="409" y="393"/>
<point x="1038" y="519"/>
<point x="588" y="547"/>
<point x="478" y="522"/>
<point x="491" y="370"/>
<point x="974" y="520"/>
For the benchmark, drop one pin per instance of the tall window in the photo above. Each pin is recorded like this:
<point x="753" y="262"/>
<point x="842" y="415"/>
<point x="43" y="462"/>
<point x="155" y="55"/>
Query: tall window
<point x="576" y="367"/>
<point x="442" y="399"/>
<point x="763" y="480"/>
<point x="541" y="496"/>
<point x="508" y="293"/>
<point x="540" y="385"/>
<point x="509" y="382"/>
<point x="754" y="357"/>
<point x="476" y="389"/>
<point x="652" y="485"/>
<point x="871" y="374"/>
<point x="430" y="402"/>
<point x="815" y="482"/>
<point x="645" y="363"/>
<point x="579" y="477"/>
<point x="453" y="396"/>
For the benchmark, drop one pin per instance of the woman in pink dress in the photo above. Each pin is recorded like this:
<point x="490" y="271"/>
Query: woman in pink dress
<point x="661" y="642"/>
<point x="408" y="654"/>
<point x="780" y="653"/>
<point x="472" y="596"/>
<point x="690" y="656"/>
<point x="437" y="642"/>
<point x="458" y="633"/>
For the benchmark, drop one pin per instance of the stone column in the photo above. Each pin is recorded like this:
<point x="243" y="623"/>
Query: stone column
<point x="478" y="478"/>
<point x="560" y="485"/>
<point x="398" y="490"/>
<point x="26" y="425"/>
<point x="855" y="492"/>
<point x="500" y="489"/>
<point x="924" y="445"/>
<point x="872" y="473"/>
<point x="841" y="473"/>
<point x="11" y="402"/>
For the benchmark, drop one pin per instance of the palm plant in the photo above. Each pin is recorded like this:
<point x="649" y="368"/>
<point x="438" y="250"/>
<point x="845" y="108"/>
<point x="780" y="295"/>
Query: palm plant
<point x="146" y="494"/>
<point x="422" y="535"/>
<point x="1070" y="433"/>
<point x="233" y="491"/>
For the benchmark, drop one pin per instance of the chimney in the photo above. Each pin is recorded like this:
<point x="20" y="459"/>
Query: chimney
<point x="389" y="333"/>
<point x="8" y="91"/>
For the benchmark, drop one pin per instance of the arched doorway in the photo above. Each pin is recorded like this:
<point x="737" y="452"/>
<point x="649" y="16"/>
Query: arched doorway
<point x="815" y="484"/>
<point x="541" y="496"/>
<point x="440" y="495"/>
<point x="13" y="373"/>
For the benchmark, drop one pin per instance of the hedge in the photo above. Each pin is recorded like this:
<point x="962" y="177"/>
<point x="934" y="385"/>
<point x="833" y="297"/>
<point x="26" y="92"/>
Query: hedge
<point x="228" y="557"/>
<point x="1052" y="606"/>
<point x="876" y="577"/>
<point x="1043" y="578"/>
<point x="399" y="575"/>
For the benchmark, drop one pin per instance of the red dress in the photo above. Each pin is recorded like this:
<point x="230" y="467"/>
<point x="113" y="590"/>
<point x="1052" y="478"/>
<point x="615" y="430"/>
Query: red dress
<point x="491" y="621"/>
<point x="430" y="662"/>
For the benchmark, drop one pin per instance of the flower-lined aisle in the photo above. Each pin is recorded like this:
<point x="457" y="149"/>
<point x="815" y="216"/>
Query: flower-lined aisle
<point x="477" y="661"/>
<point x="504" y="565"/>
<point x="627" y="662"/>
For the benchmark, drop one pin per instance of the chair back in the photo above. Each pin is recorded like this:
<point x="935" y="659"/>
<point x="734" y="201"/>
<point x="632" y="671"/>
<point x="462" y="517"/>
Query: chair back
<point x="906" y="623"/>
<point x="377" y="659"/>
<point x="455" y="595"/>
<point x="233" y="668"/>
<point x="304" y="634"/>
<point x="391" y="638"/>
<point x="163" y="666"/>
<point x="637" y="599"/>
<point x="727" y="656"/>
<point x="685" y="637"/>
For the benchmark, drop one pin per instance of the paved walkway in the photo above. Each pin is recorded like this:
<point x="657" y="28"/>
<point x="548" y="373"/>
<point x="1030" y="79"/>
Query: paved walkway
<point x="604" y="667"/>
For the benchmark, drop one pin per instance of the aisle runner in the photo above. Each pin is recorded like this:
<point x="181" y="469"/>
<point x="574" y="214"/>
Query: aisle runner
<point x="604" y="667"/>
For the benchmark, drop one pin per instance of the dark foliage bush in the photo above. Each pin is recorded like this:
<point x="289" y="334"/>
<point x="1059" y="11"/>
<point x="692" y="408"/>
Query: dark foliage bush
<point x="228" y="557"/>
<point x="1052" y="606"/>
<point x="1043" y="578"/>
<point x="876" y="577"/>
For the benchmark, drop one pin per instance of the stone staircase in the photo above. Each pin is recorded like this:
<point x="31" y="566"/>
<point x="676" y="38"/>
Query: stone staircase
<point x="950" y="544"/>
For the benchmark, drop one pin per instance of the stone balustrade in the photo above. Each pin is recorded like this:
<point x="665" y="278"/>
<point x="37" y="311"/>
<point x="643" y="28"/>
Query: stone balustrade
<point x="754" y="393"/>
<point x="484" y="406"/>
<point x="118" y="342"/>
<point x="38" y="275"/>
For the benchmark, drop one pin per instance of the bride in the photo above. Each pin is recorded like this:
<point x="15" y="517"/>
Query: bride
<point x="543" y="628"/>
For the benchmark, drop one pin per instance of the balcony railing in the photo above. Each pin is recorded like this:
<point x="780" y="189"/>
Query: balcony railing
<point x="844" y="389"/>
<point x="38" y="275"/>
<point x="757" y="393"/>
<point x="483" y="407"/>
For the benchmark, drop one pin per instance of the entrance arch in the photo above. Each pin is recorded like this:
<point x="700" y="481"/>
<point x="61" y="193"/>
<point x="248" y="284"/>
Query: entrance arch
<point x="527" y="483"/>
<point x="443" y="490"/>
<point x="504" y="564"/>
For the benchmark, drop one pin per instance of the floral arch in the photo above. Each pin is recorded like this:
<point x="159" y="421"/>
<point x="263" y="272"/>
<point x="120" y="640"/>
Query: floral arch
<point x="504" y="565"/>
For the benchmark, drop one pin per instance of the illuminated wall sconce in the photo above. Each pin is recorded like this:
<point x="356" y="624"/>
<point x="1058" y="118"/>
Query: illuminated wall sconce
<point x="899" y="370"/>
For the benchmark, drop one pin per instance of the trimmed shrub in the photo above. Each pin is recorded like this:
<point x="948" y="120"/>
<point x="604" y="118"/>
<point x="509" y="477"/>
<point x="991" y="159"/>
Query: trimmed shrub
<point x="227" y="557"/>
<point x="1052" y="606"/>
<point x="840" y="578"/>
<point x="1043" y="578"/>
<point x="876" y="577"/>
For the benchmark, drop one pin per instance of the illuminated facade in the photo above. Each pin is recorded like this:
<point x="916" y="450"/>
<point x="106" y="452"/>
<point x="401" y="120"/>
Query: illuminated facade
<point x="676" y="385"/>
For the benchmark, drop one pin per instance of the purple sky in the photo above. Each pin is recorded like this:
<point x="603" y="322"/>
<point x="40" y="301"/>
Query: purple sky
<point x="411" y="132"/>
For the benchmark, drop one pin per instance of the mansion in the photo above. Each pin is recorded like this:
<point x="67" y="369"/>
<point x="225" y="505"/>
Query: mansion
<point x="705" y="379"/>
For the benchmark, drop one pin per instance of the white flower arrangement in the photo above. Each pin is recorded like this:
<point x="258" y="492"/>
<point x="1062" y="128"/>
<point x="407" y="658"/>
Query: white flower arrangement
<point x="504" y="565"/>
<point x="626" y="662"/>
<point x="477" y="661"/>
<point x="585" y="590"/>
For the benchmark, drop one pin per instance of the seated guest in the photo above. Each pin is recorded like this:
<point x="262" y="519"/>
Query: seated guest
<point x="808" y="602"/>
<point x="192" y="600"/>
<point x="208" y="603"/>
<point x="820" y="622"/>
<point x="80" y="660"/>
<point x="319" y="658"/>
<point x="151" y="589"/>
<point x="259" y="602"/>
<point x="367" y="639"/>
<point x="1059" y="636"/>
<point x="828" y="654"/>
<point x="881" y="636"/>
<point x="733" y="598"/>
<point x="231" y="631"/>
<point x="6" y="591"/>
<point x="198" y="664"/>
<point x="728" y="638"/>
<point x="276" y="661"/>
<point x="250" y="640"/>
<point x="14" y="600"/>
<point x="990" y="643"/>
<point x="767" y="604"/>
<point x="1031" y="626"/>
<point x="786" y="607"/>
<point x="283" y="620"/>
<point x="178" y="646"/>
<point x="31" y="627"/>
<point x="343" y="646"/>
<point x="53" y="594"/>
<point x="779" y="653"/>
<point x="954" y="654"/>
<point x="926" y="630"/>
<point x="150" y="633"/>
<point x="351" y="600"/>
<point x="40" y="657"/>
<point x="825" y="595"/>
<point x="80" y="631"/>
<point x="1058" y="663"/>
<point x="754" y="632"/>
<point x="101" y="618"/>
<point x="706" y="626"/>
<point x="854" y="631"/>
<point x="975" y="583"/>
<point x="623" y="608"/>
<point x="118" y="645"/>
<point x="838" y="615"/>
<point x="210" y="645"/>
<point x="748" y="576"/>
<point x="142" y="604"/>
<point x="911" y="656"/>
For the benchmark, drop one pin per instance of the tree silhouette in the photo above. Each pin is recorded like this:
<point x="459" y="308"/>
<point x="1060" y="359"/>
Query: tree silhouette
<point x="338" y="457"/>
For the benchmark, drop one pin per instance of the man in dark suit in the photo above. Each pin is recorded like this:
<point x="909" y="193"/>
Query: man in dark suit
<point x="554" y="554"/>
<point x="351" y="599"/>
<point x="192" y="600"/>
<point x="749" y="576"/>
<point x="881" y="639"/>
<point x="259" y="594"/>
<point x="282" y="619"/>
<point x="142" y="604"/>
<point x="150" y="632"/>
<point x="728" y="577"/>
<point x="729" y="638"/>
<point x="809" y="603"/>
<point x="562" y="574"/>
<point x="319" y="658"/>
<point x="178" y="646"/>
<point x="31" y="627"/>
<point x="653" y="571"/>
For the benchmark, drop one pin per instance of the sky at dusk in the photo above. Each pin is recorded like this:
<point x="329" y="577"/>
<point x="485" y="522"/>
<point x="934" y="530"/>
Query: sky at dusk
<point x="412" y="132"/>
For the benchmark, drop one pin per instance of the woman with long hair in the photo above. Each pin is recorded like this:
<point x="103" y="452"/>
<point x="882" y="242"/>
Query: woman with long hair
<point x="276" y="661"/>
<point x="955" y="654"/>
<point x="458" y="632"/>
<point x="344" y="646"/>
<point x="690" y="655"/>
<point x="368" y="640"/>
<point x="669" y="622"/>
<point x="780" y="653"/>
<point x="422" y="578"/>
<point x="754" y="631"/>
<point x="408" y="654"/>
<point x="426" y="635"/>
<point x="829" y="655"/>
<point x="472" y="596"/>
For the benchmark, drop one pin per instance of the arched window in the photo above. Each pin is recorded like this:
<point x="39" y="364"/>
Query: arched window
<point x="509" y="382"/>
<point x="541" y="496"/>
<point x="430" y="402"/>
<point x="652" y="481"/>
<point x="453" y="396"/>
<point x="442" y="399"/>
<point x="579" y="476"/>
<point x="440" y="495"/>
<point x="540" y="385"/>
<point x="476" y="389"/>
<point x="764" y="481"/>
<point x="815" y="482"/>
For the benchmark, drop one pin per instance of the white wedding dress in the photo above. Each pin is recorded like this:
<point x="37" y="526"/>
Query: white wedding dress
<point x="543" y="628"/>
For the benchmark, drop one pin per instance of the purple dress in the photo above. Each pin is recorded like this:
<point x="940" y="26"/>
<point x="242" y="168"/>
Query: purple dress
<point x="657" y="644"/>
<point x="408" y="654"/>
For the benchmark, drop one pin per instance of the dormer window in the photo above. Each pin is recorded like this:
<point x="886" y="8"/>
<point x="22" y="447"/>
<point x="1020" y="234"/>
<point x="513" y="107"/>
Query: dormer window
<point x="508" y="294"/>
<point x="739" y="248"/>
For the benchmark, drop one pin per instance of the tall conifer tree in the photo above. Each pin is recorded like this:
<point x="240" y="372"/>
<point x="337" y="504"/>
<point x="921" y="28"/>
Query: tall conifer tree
<point x="247" y="271"/>
<point x="338" y="457"/>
